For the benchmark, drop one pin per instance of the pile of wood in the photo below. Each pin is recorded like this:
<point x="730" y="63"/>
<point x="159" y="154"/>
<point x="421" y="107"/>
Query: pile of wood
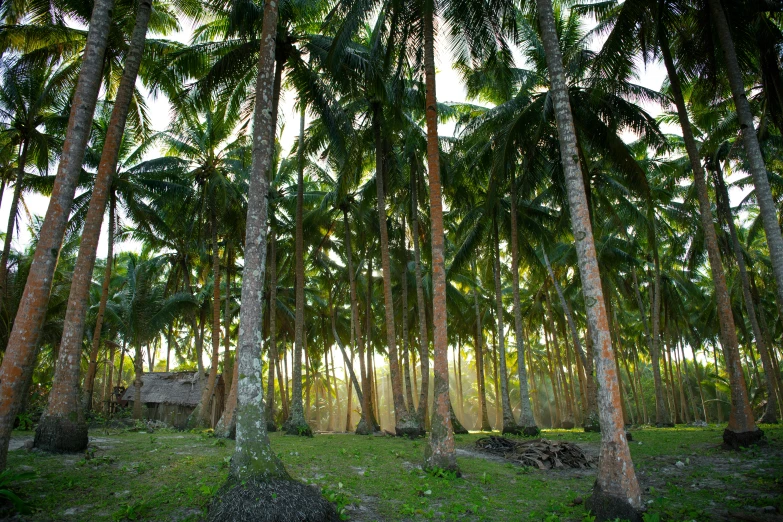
<point x="540" y="453"/>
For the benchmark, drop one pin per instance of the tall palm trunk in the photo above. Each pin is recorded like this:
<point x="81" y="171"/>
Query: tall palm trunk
<point x="770" y="376"/>
<point x="526" y="420"/>
<point x="9" y="231"/>
<point x="483" y="420"/>
<point x="662" y="417"/>
<point x="272" y="349"/>
<point x="253" y="456"/>
<point x="440" y="452"/>
<point x="89" y="380"/>
<point x="406" y="367"/>
<point x="366" y="424"/>
<point x="509" y="424"/>
<point x="421" y="306"/>
<point x="616" y="491"/>
<point x="404" y="424"/>
<point x="758" y="169"/>
<point x="21" y="348"/>
<point x="138" y="367"/>
<point x="296" y="423"/>
<point x="742" y="429"/>
<point x="201" y="415"/>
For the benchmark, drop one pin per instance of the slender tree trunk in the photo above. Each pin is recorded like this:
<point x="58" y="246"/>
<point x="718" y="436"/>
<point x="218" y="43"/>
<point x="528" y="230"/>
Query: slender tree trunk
<point x="405" y="425"/>
<point x="366" y="424"/>
<point x="272" y="349"/>
<point x="742" y="429"/>
<point x="96" y="336"/>
<point x="296" y="423"/>
<point x="526" y="420"/>
<point x="228" y="370"/>
<point x="591" y="414"/>
<point x="202" y="414"/>
<point x="509" y="424"/>
<point x="14" y="211"/>
<point x="758" y="169"/>
<point x="770" y="377"/>
<point x="138" y="366"/>
<point x="483" y="417"/>
<point x="253" y="456"/>
<point x="440" y="452"/>
<point x="421" y="306"/>
<point x="406" y="367"/>
<point x="226" y="426"/>
<point x="616" y="491"/>
<point x="64" y="406"/>
<point x="107" y="386"/>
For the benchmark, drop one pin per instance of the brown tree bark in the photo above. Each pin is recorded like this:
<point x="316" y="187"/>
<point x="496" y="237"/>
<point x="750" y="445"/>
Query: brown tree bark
<point x="272" y="348"/>
<point x="616" y="491"/>
<point x="483" y="417"/>
<point x="742" y="429"/>
<point x="440" y="452"/>
<point x="89" y="380"/>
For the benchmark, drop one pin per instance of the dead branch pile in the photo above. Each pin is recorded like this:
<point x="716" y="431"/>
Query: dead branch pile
<point x="540" y="453"/>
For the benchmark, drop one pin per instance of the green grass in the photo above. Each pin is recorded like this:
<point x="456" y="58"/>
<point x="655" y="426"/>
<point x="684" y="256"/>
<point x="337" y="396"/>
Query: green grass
<point x="172" y="476"/>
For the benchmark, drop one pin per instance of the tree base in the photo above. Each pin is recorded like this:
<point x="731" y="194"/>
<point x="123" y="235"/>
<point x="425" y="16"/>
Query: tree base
<point x="734" y="440"/>
<point x="362" y="428"/>
<point x="456" y="425"/>
<point x="270" y="500"/>
<point x="512" y="430"/>
<point x="592" y="428"/>
<point x="410" y="426"/>
<point x="301" y="429"/>
<point x="530" y="431"/>
<point x="567" y="425"/>
<point x="60" y="435"/>
<point x="608" y="507"/>
<point x="271" y="427"/>
<point x="664" y="424"/>
<point x="769" y="417"/>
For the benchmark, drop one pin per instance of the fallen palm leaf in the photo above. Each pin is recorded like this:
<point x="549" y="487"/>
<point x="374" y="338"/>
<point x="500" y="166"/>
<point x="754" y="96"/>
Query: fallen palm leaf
<point x="540" y="453"/>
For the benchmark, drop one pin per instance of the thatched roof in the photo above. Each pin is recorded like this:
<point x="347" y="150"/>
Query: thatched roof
<point x="181" y="388"/>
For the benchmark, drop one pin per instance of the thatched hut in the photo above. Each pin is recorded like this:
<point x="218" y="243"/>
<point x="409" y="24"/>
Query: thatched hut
<point x="171" y="397"/>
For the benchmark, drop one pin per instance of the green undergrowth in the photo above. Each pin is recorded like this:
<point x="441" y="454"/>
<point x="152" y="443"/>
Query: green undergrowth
<point x="170" y="475"/>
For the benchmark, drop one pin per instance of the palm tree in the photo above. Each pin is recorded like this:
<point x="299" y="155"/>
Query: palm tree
<point x="20" y="353"/>
<point x="616" y="491"/>
<point x="30" y="105"/>
<point x="64" y="401"/>
<point x="142" y="311"/>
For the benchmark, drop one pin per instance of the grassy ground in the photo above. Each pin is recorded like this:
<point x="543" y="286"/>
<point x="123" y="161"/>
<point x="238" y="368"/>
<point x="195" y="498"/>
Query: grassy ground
<point x="172" y="476"/>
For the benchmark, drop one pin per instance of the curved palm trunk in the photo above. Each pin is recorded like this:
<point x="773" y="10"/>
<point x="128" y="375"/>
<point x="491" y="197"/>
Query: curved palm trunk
<point x="366" y="424"/>
<point x="21" y="349"/>
<point x="296" y="423"/>
<point x="590" y="416"/>
<point x="440" y="452"/>
<point x="758" y="169"/>
<point x="226" y="426"/>
<point x="201" y="415"/>
<point x="421" y="305"/>
<point x="9" y="234"/>
<point x="404" y="423"/>
<point x="253" y="457"/>
<point x="742" y="429"/>
<point x="616" y="492"/>
<point x="526" y="420"/>
<point x="89" y="380"/>
<point x="770" y="376"/>
<point x="509" y="424"/>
